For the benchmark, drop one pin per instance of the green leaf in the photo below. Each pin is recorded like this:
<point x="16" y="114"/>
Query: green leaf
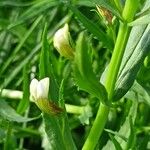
<point x="126" y="129"/>
<point x="33" y="11"/>
<point x="24" y="103"/>
<point x="87" y="3"/>
<point x="15" y="4"/>
<point x="144" y="13"/>
<point x="141" y="20"/>
<point x="145" y="8"/>
<point x="20" y="66"/>
<point x="116" y="134"/>
<point x="116" y="143"/>
<point x="7" y="112"/>
<point x="93" y="28"/>
<point x="44" y="56"/>
<point x="53" y="132"/>
<point x="85" y="78"/>
<point x="137" y="92"/>
<point x="132" y="137"/>
<point x="20" y="45"/>
<point x="136" y="50"/>
<point x="64" y="122"/>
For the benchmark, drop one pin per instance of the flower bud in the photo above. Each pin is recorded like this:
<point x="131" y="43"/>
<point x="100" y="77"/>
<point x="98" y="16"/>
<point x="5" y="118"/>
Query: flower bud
<point x="39" y="92"/>
<point x="39" y="89"/>
<point x="105" y="13"/>
<point x="62" y="42"/>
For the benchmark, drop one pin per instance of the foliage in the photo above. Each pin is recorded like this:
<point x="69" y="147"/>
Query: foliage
<point x="99" y="99"/>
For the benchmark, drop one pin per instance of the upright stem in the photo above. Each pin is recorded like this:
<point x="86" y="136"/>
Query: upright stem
<point x="97" y="128"/>
<point x="116" y="59"/>
<point x="118" y="4"/>
<point x="103" y="111"/>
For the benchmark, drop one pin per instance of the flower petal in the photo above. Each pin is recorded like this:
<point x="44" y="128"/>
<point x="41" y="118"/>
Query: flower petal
<point x="61" y="37"/>
<point x="43" y="87"/>
<point x="33" y="88"/>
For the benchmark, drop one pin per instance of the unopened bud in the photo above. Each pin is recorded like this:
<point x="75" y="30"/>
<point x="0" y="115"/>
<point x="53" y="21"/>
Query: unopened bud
<point x="62" y="42"/>
<point x="105" y="13"/>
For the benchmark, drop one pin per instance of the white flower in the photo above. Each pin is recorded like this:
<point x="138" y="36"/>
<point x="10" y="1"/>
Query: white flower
<point x="62" y="42"/>
<point x="39" y="89"/>
<point x="39" y="92"/>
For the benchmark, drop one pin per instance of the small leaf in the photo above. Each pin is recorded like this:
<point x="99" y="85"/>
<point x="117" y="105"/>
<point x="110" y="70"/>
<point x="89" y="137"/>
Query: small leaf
<point x="7" y="112"/>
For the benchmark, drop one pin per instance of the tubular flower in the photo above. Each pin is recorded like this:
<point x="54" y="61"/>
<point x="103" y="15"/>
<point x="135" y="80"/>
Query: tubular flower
<point x="62" y="42"/>
<point x="39" y="92"/>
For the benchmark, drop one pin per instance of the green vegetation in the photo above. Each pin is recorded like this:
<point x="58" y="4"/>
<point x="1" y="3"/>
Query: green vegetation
<point x="75" y="74"/>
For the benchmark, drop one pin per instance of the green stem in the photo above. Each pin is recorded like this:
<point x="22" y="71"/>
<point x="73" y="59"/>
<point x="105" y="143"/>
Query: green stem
<point x="118" y="5"/>
<point x="102" y="114"/>
<point x="130" y="10"/>
<point x="97" y="128"/>
<point x="116" y="59"/>
<point x="74" y="109"/>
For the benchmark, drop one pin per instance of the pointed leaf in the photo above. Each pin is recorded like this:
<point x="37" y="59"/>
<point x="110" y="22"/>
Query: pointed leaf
<point x="44" y="56"/>
<point x="7" y="112"/>
<point x="93" y="28"/>
<point x="141" y="20"/>
<point x="137" y="92"/>
<point x="84" y="75"/>
<point x="116" y="143"/>
<point x="136" y="50"/>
